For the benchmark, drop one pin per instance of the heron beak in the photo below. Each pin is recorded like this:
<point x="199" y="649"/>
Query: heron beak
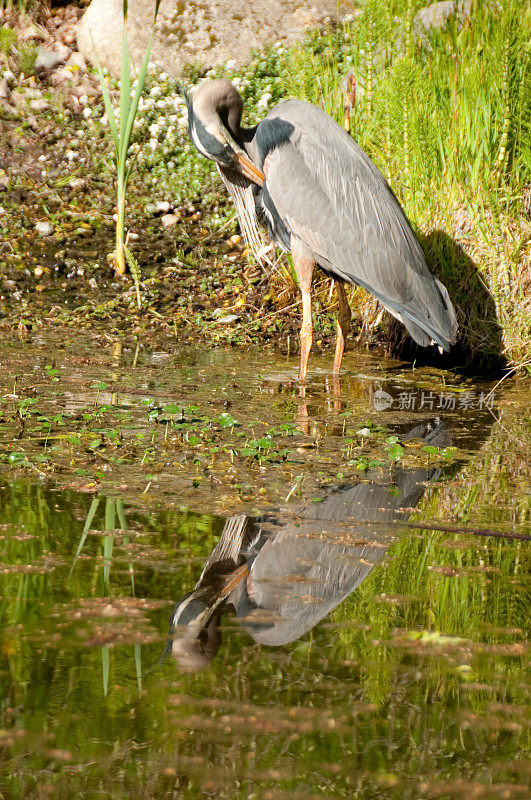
<point x="247" y="168"/>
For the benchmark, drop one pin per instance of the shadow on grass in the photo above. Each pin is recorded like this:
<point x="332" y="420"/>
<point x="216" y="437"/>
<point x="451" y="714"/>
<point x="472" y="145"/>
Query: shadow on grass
<point x="478" y="350"/>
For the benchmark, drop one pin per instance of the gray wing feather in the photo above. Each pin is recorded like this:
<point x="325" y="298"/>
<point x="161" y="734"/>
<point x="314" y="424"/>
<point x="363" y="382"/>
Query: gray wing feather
<point x="333" y="197"/>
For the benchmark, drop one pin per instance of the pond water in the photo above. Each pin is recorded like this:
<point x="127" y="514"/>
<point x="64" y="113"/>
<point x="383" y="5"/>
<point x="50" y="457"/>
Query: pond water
<point x="337" y="578"/>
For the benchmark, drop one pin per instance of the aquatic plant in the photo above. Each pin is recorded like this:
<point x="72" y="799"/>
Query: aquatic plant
<point x="122" y="127"/>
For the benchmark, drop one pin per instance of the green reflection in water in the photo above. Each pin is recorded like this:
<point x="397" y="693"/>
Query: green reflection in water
<point x="414" y="687"/>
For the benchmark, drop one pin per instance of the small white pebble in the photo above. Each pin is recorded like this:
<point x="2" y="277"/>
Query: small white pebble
<point x="44" y="228"/>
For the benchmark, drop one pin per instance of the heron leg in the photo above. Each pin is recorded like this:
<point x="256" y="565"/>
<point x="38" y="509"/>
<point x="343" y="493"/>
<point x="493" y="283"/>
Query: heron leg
<point x="343" y="326"/>
<point x="304" y="263"/>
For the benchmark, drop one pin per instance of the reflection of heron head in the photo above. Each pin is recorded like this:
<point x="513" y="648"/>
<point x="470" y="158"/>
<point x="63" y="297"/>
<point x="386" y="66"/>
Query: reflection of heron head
<point x="195" y="653"/>
<point x="195" y="631"/>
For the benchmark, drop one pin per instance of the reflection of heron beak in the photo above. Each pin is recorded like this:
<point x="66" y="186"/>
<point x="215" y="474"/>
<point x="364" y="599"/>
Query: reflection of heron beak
<point x="246" y="166"/>
<point x="236" y="578"/>
<point x="204" y="618"/>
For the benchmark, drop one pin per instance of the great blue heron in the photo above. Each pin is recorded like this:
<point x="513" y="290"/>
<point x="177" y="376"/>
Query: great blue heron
<point x="323" y="199"/>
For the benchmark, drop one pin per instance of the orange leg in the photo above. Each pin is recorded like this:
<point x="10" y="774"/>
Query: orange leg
<point x="304" y="263"/>
<point x="343" y="326"/>
<point x="306" y="333"/>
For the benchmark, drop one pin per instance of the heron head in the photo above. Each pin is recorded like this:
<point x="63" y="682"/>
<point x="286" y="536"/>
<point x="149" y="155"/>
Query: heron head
<point x="214" y="122"/>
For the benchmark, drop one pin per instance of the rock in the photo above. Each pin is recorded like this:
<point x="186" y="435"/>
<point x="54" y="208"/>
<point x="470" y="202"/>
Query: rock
<point x="69" y="37"/>
<point x="200" y="32"/>
<point x="61" y="76"/>
<point x="9" y="286"/>
<point x="4" y="88"/>
<point x="228" y="320"/>
<point x="33" y="33"/>
<point x="77" y="183"/>
<point x="47" y="59"/>
<point x="39" y="105"/>
<point x="9" y="77"/>
<point x="169" y="219"/>
<point x="62" y="50"/>
<point x="19" y="100"/>
<point x="44" y="228"/>
<point x="83" y="90"/>
<point x="436" y="16"/>
<point x="32" y="94"/>
<point x="32" y="123"/>
<point x="77" y="61"/>
<point x="158" y="208"/>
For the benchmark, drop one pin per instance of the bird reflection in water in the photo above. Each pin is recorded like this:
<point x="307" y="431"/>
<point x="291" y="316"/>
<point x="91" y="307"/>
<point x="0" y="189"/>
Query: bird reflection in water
<point x="281" y="575"/>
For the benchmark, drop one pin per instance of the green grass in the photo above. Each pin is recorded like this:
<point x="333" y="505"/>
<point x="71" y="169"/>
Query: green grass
<point x="448" y="124"/>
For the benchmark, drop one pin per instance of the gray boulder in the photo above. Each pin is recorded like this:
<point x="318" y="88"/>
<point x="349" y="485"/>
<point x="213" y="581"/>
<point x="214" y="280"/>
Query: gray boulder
<point x="204" y="32"/>
<point x="436" y="16"/>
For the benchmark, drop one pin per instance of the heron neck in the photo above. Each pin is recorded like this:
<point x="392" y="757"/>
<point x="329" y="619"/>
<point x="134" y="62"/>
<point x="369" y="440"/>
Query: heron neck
<point x="247" y="137"/>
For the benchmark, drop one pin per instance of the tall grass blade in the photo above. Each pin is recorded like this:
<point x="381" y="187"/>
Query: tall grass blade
<point x="86" y="527"/>
<point x="108" y="541"/>
<point x="138" y="664"/>
<point x="106" y="99"/>
<point x="141" y="80"/>
<point x="105" y="664"/>
<point x="123" y="525"/>
<point x="125" y="87"/>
